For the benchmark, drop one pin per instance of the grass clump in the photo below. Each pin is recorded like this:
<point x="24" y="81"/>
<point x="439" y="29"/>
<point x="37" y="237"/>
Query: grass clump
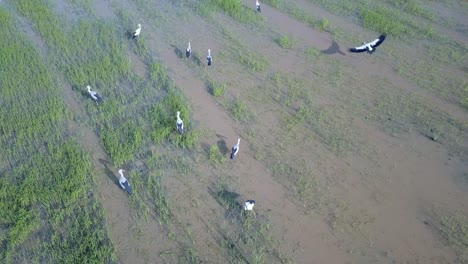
<point x="149" y="194"/>
<point x="381" y="20"/>
<point x="240" y="52"/>
<point x="164" y="118"/>
<point x="238" y="110"/>
<point x="298" y="13"/>
<point x="285" y="42"/>
<point x="343" y="220"/>
<point x="244" y="235"/>
<point x="233" y="8"/>
<point x="88" y="52"/>
<point x="289" y="90"/>
<point x="451" y="228"/>
<point x="332" y="133"/>
<point x="217" y="89"/>
<point x="307" y="189"/>
<point x="46" y="184"/>
<point x="253" y="61"/>
<point x="403" y="112"/>
<point x="412" y="7"/>
<point x="215" y="156"/>
<point x="122" y="141"/>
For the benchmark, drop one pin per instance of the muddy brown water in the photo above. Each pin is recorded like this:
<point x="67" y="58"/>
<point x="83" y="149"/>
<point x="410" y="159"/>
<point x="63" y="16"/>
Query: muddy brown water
<point x="403" y="177"/>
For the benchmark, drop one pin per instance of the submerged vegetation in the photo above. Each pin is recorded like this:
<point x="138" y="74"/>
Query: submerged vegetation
<point x="301" y="123"/>
<point x="46" y="186"/>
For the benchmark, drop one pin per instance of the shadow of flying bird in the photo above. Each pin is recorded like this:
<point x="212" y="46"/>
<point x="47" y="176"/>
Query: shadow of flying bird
<point x="334" y="48"/>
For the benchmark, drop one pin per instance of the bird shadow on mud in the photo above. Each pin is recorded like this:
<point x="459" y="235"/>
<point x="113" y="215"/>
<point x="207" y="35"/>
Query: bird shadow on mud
<point x="196" y="58"/>
<point x="228" y="200"/>
<point x="109" y="172"/>
<point x="177" y="51"/>
<point x="334" y="48"/>
<point x="223" y="148"/>
<point x="129" y="34"/>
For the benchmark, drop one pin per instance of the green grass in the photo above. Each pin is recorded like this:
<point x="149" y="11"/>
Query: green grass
<point x="47" y="185"/>
<point x="137" y="111"/>
<point x="217" y="89"/>
<point x="451" y="228"/>
<point x="285" y="42"/>
<point x="122" y="141"/>
<point x="299" y="13"/>
<point x="238" y="110"/>
<point x="215" y="156"/>
<point x="308" y="189"/>
<point x="233" y="8"/>
<point x="253" y="61"/>
<point x="245" y="236"/>
<point x="402" y="113"/>
<point x="242" y="53"/>
<point x="344" y="220"/>
<point x="163" y="116"/>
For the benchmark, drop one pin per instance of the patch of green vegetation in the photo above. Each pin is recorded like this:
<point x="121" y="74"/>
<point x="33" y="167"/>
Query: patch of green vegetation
<point x="233" y="8"/>
<point x="46" y="184"/>
<point x="253" y="61"/>
<point x="122" y="141"/>
<point x="85" y="4"/>
<point x="381" y="20"/>
<point x="285" y="42"/>
<point x="385" y="17"/>
<point x="298" y="13"/>
<point x="288" y="90"/>
<point x="451" y="228"/>
<point x="149" y="193"/>
<point x="449" y="84"/>
<point x="136" y="109"/>
<point x="215" y="155"/>
<point x="164" y="119"/>
<point x="403" y="112"/>
<point x="311" y="193"/>
<point x="312" y="52"/>
<point x="241" y="52"/>
<point x="293" y="93"/>
<point x="245" y="236"/>
<point x="238" y="110"/>
<point x="217" y="89"/>
<point x="88" y="53"/>
<point x="343" y="220"/>
<point x="412" y="7"/>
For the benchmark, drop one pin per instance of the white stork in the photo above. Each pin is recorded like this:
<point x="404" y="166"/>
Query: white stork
<point x="96" y="97"/>
<point x="123" y="181"/>
<point x="188" y="51"/>
<point x="369" y="47"/>
<point x="249" y="204"/>
<point x="235" y="149"/>
<point x="257" y="4"/>
<point x="137" y="32"/>
<point x="209" y="59"/>
<point x="180" y="124"/>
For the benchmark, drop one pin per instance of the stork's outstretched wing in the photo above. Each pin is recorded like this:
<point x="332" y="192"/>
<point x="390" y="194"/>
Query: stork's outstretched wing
<point x="362" y="48"/>
<point x="378" y="41"/>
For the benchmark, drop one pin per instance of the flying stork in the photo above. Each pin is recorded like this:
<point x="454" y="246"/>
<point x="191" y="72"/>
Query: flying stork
<point x="369" y="47"/>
